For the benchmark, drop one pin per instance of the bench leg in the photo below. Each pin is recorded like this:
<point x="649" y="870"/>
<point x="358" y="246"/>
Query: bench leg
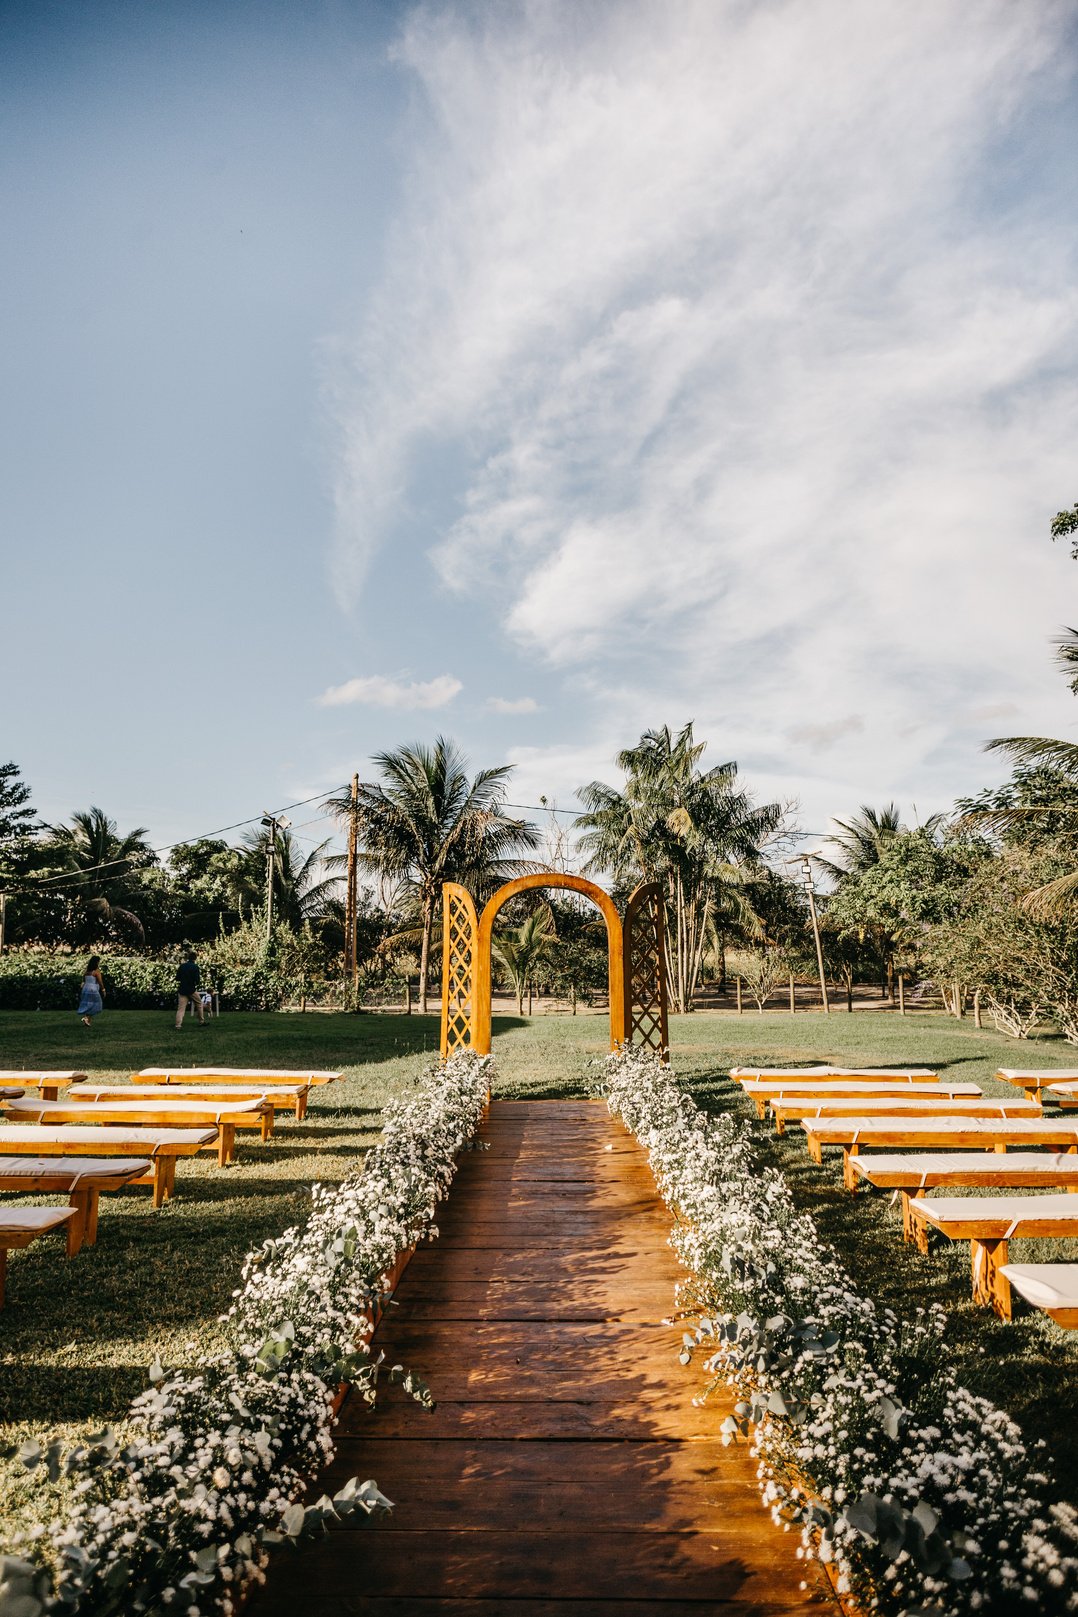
<point x="160" y="1180"/>
<point x="850" y="1180"/>
<point x="989" y="1286"/>
<point x="760" y="1104"/>
<point x="918" y="1230"/>
<point x="78" y="1227"/>
<point x="301" y="1108"/>
<point x="780" y="1124"/>
<point x="3" y="1272"/>
<point x="226" y="1144"/>
<point x="267" y="1125"/>
<point x="815" y="1150"/>
<point x="50" y="1091"/>
<point x="907" y="1217"/>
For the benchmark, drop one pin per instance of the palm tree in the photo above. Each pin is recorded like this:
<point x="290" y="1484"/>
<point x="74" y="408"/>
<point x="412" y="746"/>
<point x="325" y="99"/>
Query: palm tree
<point x="301" y="889"/>
<point x="525" y="949"/>
<point x="860" y="841"/>
<point x="426" y="823"/>
<point x="106" y="867"/>
<point x="695" y="831"/>
<point x="1053" y="807"/>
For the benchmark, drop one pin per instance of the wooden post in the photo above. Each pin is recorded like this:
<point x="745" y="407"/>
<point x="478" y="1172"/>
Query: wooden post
<point x="957" y="1000"/>
<point x="976" y="1007"/>
<point x="407" y="996"/>
<point x="849" y="996"/>
<point x="793" y="1003"/>
<point x="740" y="1007"/>
<point x="3" y="919"/>
<point x="351" y="962"/>
<point x="901" y="994"/>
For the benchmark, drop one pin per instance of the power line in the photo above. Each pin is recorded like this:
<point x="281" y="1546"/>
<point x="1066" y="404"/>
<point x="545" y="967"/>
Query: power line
<point x="237" y="825"/>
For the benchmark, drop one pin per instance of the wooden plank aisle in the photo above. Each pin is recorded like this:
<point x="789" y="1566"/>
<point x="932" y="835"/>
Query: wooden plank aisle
<point x="565" y="1471"/>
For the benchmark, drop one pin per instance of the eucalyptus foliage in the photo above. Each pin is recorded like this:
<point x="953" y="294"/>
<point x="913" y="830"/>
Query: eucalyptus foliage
<point x="920" y="1496"/>
<point x="180" y="1512"/>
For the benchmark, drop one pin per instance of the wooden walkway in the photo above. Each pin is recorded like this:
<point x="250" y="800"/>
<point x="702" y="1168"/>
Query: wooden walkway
<point x="565" y="1471"/>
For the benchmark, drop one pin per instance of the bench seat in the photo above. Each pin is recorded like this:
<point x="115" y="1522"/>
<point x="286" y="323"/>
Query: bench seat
<point x="21" y="1225"/>
<point x="49" y="1083"/>
<point x="262" y="1075"/>
<point x="1052" y="1287"/>
<point x="950" y="1133"/>
<point x="82" y="1177"/>
<point x="282" y="1097"/>
<point x="790" y="1108"/>
<point x="1065" y="1095"/>
<point x="1036" y="1078"/>
<point x="988" y="1223"/>
<point x="762" y="1090"/>
<point x="910" y="1174"/>
<point x="225" y="1116"/>
<point x="163" y="1147"/>
<point x="905" y="1075"/>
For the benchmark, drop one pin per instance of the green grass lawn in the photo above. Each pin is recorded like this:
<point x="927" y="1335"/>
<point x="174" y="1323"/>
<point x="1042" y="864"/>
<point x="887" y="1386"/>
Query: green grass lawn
<point x="76" y="1338"/>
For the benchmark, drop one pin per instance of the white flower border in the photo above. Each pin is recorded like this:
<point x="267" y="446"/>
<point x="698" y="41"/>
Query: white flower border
<point x="180" y="1515"/>
<point x="919" y="1496"/>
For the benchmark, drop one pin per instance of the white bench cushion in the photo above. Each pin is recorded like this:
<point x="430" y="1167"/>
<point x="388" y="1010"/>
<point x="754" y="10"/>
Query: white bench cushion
<point x="1045" y="1285"/>
<point x="17" y="1220"/>
<point x="882" y="1167"/>
<point x="995" y="1211"/>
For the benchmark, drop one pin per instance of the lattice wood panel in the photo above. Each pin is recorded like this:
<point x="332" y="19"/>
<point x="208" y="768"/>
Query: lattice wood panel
<point x="645" y="970"/>
<point x="459" y="934"/>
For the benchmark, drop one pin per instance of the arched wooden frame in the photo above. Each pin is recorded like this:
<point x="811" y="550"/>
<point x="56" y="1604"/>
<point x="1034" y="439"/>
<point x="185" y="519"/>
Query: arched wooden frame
<point x="635" y="962"/>
<point x="615" y="951"/>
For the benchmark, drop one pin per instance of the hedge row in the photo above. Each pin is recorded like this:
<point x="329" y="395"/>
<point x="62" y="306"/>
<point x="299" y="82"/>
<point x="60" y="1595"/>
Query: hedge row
<point x="34" y="981"/>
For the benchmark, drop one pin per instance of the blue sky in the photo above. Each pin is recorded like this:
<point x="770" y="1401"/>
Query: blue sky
<point x="534" y="373"/>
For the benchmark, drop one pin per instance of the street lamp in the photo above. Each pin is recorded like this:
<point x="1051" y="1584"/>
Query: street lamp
<point x="805" y="862"/>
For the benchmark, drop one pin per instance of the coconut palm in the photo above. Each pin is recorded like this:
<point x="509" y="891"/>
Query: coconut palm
<point x="860" y="840"/>
<point x="695" y="831"/>
<point x="302" y="888"/>
<point x="522" y="950"/>
<point x="426" y="823"/>
<point x="106" y="870"/>
<point x="1048" y="770"/>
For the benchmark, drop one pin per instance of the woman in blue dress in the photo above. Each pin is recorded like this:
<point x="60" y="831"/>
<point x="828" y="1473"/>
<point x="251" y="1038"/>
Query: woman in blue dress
<point x="93" y="991"/>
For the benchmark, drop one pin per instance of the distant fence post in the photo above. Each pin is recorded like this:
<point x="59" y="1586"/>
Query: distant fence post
<point x="793" y="1002"/>
<point x="740" y="1007"/>
<point x="901" y="994"/>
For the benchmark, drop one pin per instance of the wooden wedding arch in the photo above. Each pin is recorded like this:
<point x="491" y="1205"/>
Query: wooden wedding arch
<point x="636" y="962"/>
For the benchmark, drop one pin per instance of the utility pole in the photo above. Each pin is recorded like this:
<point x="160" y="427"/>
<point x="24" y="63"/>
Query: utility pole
<point x="3" y="919"/>
<point x="351" y="960"/>
<point x="806" y="869"/>
<point x="273" y="824"/>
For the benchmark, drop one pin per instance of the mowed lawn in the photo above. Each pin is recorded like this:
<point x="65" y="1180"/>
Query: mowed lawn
<point x="76" y="1338"/>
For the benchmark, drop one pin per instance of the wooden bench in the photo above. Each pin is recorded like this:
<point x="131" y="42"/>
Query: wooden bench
<point x="760" y="1091"/>
<point x="1012" y="1170"/>
<point x="949" y="1133"/>
<point x="1034" y="1079"/>
<point x="792" y="1108"/>
<point x="225" y="1116"/>
<point x="988" y="1223"/>
<point x="1065" y="1095"/>
<point x="1052" y="1287"/>
<point x="896" y="1075"/>
<point x="163" y="1147"/>
<point x="49" y="1083"/>
<point x="238" y="1075"/>
<point x="21" y="1225"/>
<point x="281" y="1097"/>
<point x="83" y="1178"/>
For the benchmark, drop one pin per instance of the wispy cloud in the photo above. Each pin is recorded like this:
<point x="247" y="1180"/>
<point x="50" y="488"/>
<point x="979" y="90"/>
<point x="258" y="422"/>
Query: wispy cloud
<point x="752" y="344"/>
<point x="376" y="690"/>
<point x="520" y="704"/>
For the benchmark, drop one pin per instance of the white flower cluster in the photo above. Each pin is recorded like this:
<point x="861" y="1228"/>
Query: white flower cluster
<point x="917" y="1495"/>
<point x="179" y="1516"/>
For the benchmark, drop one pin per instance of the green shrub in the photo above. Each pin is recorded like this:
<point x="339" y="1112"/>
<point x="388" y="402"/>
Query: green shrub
<point x="34" y="980"/>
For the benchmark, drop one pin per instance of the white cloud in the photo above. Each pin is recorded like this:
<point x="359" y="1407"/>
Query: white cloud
<point x="520" y="704"/>
<point x="754" y="350"/>
<point x="376" y="690"/>
<point x="826" y="733"/>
